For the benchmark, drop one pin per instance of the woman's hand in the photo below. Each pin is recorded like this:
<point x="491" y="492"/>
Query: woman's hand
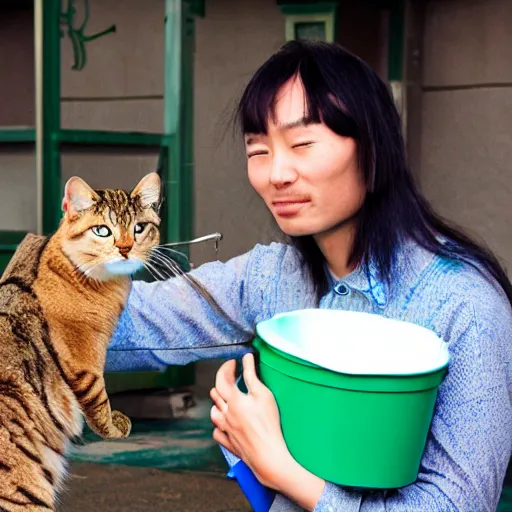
<point x="249" y="426"/>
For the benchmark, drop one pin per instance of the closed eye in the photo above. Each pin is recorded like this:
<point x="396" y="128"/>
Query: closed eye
<point x="256" y="153"/>
<point x="302" y="144"/>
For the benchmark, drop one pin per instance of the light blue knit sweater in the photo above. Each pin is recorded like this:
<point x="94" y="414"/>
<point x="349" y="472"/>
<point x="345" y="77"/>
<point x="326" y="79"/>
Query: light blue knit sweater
<point x="470" y="442"/>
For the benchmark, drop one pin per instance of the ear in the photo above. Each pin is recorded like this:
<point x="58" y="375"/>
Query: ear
<point x="78" y="196"/>
<point x="148" y="190"/>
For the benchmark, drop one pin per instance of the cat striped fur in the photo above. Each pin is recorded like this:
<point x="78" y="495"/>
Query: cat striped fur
<point x="59" y="305"/>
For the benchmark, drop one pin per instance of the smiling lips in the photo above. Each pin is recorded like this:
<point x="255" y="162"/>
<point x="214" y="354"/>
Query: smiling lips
<point x="289" y="207"/>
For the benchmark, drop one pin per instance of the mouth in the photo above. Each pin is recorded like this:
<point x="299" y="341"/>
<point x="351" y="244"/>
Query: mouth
<point x="289" y="207"/>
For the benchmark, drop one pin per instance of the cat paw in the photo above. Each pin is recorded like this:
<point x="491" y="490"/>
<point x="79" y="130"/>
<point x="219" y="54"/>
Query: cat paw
<point x="122" y="423"/>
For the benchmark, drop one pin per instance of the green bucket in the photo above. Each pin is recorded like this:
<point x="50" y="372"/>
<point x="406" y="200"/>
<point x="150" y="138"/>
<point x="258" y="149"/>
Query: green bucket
<point x="363" y="431"/>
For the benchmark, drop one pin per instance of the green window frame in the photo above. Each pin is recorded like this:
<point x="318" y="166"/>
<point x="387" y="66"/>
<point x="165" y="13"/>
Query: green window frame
<point x="312" y="14"/>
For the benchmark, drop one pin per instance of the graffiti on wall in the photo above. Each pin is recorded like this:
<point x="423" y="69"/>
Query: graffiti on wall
<point x="73" y="24"/>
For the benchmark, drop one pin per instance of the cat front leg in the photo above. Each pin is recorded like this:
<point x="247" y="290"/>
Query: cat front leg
<point x="89" y="390"/>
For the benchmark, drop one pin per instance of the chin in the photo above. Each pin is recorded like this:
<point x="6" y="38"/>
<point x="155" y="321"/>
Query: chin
<point x="297" y="230"/>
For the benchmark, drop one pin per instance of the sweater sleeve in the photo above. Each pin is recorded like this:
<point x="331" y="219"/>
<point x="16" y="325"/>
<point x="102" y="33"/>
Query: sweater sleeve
<point x="168" y="322"/>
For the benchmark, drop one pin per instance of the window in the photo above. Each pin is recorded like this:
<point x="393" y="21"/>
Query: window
<point x="311" y="20"/>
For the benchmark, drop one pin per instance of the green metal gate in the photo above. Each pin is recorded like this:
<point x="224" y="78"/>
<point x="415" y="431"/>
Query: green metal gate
<point x="174" y="145"/>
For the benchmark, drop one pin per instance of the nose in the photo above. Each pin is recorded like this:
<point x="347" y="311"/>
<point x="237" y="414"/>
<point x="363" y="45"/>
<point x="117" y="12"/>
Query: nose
<point x="124" y="249"/>
<point x="283" y="172"/>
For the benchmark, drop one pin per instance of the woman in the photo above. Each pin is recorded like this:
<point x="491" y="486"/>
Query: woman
<point x="325" y="152"/>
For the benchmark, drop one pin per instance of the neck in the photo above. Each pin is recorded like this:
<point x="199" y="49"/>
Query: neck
<point x="336" y="245"/>
<point x="72" y="302"/>
<point x="58" y="266"/>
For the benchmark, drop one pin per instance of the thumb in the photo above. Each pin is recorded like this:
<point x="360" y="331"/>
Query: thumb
<point x="251" y="379"/>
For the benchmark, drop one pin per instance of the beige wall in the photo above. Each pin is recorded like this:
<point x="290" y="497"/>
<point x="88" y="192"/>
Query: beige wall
<point x="120" y="88"/>
<point x="17" y="165"/>
<point x="17" y="189"/>
<point x="466" y="142"/>
<point x="16" y="68"/>
<point x="227" y="54"/>
<point x="464" y="117"/>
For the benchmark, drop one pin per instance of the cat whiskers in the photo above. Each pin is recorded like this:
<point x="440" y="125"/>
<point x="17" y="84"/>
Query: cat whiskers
<point x="174" y="251"/>
<point x="173" y="267"/>
<point x="155" y="272"/>
<point x="168" y="264"/>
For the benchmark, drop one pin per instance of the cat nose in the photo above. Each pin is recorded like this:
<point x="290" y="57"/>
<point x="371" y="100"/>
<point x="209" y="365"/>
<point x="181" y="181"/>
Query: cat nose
<point x="124" y="250"/>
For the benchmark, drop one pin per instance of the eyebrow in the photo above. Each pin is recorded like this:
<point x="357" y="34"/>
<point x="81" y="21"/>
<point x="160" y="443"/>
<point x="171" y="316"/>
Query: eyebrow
<point x="303" y="121"/>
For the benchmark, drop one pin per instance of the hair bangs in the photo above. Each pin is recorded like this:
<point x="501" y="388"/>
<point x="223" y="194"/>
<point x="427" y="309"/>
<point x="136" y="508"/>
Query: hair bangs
<point x="323" y="104"/>
<point x="257" y="104"/>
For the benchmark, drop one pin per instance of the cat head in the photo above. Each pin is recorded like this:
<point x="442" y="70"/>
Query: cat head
<point x="110" y="233"/>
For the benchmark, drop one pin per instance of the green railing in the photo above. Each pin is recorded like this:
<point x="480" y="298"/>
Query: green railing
<point x="174" y="146"/>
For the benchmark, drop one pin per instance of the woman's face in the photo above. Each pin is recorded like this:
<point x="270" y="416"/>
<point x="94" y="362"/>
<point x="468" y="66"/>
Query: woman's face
<point x="307" y="175"/>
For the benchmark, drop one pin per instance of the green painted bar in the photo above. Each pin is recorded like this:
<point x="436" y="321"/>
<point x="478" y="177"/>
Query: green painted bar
<point x="14" y="134"/>
<point x="52" y="186"/>
<point x="171" y="171"/>
<point x="9" y="241"/>
<point x="396" y="40"/>
<point x="187" y="125"/>
<point x="307" y="7"/>
<point x="110" y="138"/>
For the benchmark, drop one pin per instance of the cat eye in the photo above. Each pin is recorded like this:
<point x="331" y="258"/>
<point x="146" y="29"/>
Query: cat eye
<point x="139" y="228"/>
<point x="102" y="231"/>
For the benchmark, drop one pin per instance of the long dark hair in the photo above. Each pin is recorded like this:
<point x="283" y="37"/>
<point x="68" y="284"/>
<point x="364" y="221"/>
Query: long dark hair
<point x="349" y="97"/>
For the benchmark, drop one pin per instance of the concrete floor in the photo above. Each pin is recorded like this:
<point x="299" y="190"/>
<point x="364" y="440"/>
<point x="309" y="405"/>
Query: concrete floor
<point x="169" y="464"/>
<point x="113" y="488"/>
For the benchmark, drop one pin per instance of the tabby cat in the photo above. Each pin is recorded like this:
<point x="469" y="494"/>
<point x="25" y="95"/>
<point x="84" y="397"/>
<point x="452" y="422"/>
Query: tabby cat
<point x="60" y="299"/>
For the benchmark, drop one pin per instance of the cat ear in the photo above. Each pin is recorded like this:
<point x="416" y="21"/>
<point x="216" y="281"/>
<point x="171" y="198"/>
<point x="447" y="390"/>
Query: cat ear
<point x="148" y="190"/>
<point x="78" y="196"/>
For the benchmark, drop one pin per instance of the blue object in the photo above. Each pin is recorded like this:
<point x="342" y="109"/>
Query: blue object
<point x="259" y="496"/>
<point x="123" y="267"/>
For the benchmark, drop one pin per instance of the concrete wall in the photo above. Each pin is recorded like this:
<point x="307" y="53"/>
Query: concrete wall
<point x="120" y="88"/>
<point x="17" y="189"/>
<point x="231" y="42"/>
<point x="16" y="68"/>
<point x="466" y="141"/>
<point x="17" y="163"/>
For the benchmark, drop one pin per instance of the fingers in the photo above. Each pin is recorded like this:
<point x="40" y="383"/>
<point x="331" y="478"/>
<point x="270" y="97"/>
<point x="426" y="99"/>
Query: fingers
<point x="225" y="380"/>
<point x="251" y="379"/>
<point x="223" y="439"/>
<point x="218" y="419"/>
<point x="220" y="403"/>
